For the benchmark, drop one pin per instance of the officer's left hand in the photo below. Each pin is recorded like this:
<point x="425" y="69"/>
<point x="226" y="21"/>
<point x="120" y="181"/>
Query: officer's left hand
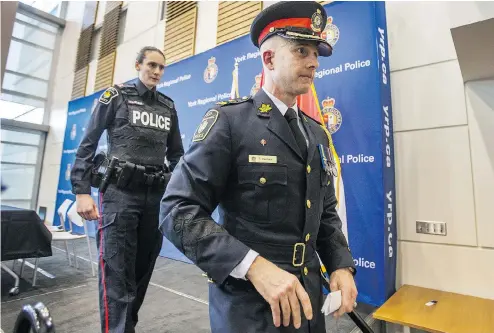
<point x="342" y="279"/>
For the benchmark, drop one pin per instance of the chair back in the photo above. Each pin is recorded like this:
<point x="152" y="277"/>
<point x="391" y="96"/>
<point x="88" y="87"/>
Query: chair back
<point x="42" y="213"/>
<point x="62" y="210"/>
<point x="75" y="218"/>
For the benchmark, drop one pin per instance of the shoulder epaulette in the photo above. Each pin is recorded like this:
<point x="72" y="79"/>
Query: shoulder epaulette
<point x="127" y="89"/>
<point x="234" y="101"/>
<point x="163" y="99"/>
<point x="306" y="117"/>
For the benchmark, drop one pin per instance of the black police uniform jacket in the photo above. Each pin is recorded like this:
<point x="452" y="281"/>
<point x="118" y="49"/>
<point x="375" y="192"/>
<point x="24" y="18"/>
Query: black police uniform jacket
<point x="245" y="159"/>
<point x="142" y="128"/>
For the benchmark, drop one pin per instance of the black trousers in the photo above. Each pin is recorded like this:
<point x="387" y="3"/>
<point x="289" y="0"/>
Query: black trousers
<point x="128" y="243"/>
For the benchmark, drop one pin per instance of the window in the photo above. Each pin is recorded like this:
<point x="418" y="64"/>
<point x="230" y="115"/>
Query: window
<point x="21" y="157"/>
<point x="48" y="6"/>
<point x="28" y="70"/>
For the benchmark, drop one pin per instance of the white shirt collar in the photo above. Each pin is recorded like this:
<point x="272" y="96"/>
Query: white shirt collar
<point x="279" y="104"/>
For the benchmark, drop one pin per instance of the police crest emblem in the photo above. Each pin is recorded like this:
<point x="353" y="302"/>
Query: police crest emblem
<point x="316" y="21"/>
<point x="331" y="115"/>
<point x="211" y="70"/>
<point x="331" y="33"/>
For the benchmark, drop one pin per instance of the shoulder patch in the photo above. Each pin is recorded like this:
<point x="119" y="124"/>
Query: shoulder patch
<point x="207" y="123"/>
<point x="234" y="101"/>
<point x="108" y="95"/>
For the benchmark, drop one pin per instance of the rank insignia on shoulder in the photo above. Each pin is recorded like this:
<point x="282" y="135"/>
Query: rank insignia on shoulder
<point x="205" y="126"/>
<point x="233" y="101"/>
<point x="108" y="95"/>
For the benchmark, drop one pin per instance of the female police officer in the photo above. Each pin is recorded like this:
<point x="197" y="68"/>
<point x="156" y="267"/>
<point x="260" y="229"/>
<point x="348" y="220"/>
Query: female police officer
<point x="142" y="128"/>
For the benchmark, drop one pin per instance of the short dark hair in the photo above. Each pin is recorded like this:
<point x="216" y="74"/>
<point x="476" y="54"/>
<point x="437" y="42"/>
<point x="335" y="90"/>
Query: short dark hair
<point x="142" y="53"/>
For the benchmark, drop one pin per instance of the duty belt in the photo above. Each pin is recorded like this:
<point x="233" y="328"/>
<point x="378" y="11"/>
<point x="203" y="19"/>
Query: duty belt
<point x="134" y="175"/>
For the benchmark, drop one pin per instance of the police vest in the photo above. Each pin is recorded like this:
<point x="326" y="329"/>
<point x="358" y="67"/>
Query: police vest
<point x="140" y="131"/>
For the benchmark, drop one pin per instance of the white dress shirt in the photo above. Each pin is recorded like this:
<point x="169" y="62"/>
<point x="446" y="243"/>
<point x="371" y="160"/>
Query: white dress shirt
<point x="241" y="269"/>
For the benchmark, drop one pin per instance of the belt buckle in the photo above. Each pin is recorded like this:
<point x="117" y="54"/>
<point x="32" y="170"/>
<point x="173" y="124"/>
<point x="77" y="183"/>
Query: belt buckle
<point x="295" y="253"/>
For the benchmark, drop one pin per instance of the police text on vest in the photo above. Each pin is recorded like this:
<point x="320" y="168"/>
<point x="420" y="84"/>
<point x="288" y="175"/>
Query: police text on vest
<point x="151" y="120"/>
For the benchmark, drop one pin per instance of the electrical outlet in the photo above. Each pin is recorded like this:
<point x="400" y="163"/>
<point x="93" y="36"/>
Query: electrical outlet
<point x="431" y="228"/>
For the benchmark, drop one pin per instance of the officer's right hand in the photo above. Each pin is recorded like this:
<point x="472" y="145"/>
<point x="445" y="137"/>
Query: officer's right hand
<point x="86" y="207"/>
<point x="278" y="287"/>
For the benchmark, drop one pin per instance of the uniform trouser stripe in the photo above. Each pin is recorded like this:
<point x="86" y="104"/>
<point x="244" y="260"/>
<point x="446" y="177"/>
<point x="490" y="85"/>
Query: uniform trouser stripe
<point x="102" y="264"/>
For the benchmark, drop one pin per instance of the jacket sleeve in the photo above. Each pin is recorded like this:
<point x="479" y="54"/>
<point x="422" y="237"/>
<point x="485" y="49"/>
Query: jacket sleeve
<point x="332" y="245"/>
<point x="175" y="149"/>
<point x="102" y="117"/>
<point x="195" y="188"/>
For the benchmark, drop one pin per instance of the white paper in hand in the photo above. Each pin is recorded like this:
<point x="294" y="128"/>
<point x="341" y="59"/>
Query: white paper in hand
<point x="332" y="302"/>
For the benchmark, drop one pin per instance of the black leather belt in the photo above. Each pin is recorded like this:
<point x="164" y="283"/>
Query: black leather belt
<point x="289" y="257"/>
<point x="293" y="255"/>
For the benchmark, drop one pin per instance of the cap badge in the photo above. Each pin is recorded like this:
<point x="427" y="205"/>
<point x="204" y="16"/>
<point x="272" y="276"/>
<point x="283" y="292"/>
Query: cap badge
<point x="316" y="21"/>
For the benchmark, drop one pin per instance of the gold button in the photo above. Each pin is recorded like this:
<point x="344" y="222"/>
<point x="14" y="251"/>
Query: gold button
<point x="306" y="271"/>
<point x="308" y="203"/>
<point x="307" y="237"/>
<point x="262" y="180"/>
<point x="308" y="169"/>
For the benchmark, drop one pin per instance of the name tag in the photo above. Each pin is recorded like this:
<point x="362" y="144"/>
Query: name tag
<point x="150" y="120"/>
<point x="263" y="159"/>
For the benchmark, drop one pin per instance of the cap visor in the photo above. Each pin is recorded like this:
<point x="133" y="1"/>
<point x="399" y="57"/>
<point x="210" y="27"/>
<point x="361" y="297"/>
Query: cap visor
<point x="323" y="47"/>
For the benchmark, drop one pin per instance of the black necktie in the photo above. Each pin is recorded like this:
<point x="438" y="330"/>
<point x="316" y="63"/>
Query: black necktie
<point x="291" y="117"/>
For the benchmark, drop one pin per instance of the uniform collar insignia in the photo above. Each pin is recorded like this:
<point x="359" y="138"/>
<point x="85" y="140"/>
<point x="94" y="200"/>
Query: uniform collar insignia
<point x="265" y="108"/>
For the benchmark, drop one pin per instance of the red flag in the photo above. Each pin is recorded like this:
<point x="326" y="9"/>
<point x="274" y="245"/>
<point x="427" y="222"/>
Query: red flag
<point x="309" y="104"/>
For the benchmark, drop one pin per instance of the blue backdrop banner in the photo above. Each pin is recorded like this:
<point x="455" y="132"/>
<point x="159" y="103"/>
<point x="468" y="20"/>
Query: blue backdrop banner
<point x="353" y="87"/>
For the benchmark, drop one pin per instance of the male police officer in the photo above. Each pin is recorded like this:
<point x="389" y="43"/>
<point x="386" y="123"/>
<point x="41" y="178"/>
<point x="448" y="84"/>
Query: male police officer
<point x="142" y="128"/>
<point x="267" y="166"/>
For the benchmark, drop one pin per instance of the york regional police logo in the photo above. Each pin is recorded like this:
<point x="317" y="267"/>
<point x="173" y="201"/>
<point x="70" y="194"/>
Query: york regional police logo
<point x="211" y="71"/>
<point x="316" y="21"/>
<point x="331" y="115"/>
<point x="331" y="33"/>
<point x="257" y="85"/>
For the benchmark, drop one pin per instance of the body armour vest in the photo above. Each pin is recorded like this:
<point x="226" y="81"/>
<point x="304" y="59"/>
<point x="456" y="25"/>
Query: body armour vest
<point x="139" y="132"/>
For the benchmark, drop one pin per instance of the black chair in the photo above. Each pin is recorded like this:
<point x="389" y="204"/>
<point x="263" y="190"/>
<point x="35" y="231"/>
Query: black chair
<point x="35" y="319"/>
